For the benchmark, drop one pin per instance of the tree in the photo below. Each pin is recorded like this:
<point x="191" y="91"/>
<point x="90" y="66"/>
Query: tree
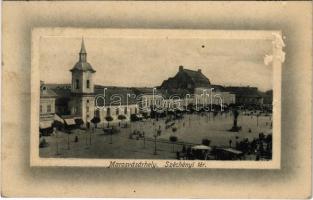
<point x="174" y="129"/>
<point x="261" y="136"/>
<point x="121" y="117"/>
<point x="268" y="138"/>
<point x="43" y="143"/>
<point x="109" y="119"/>
<point x="214" y="114"/>
<point x="173" y="139"/>
<point x="95" y="120"/>
<point x="206" y="142"/>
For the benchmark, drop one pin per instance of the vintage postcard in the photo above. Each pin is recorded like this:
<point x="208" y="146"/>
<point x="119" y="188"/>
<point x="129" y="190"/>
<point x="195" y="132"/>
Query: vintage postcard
<point x="192" y="99"/>
<point x="152" y="98"/>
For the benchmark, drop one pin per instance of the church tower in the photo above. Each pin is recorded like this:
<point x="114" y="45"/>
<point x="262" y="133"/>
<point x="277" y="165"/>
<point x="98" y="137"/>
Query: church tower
<point x="82" y="88"/>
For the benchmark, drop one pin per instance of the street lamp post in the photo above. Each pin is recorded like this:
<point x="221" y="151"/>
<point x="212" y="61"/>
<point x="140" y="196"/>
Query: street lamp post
<point x="144" y="140"/>
<point x="90" y="135"/>
<point x="57" y="141"/>
<point x="111" y="133"/>
<point x="68" y="141"/>
<point x="155" y="148"/>
<point x="86" y="137"/>
<point x="57" y="145"/>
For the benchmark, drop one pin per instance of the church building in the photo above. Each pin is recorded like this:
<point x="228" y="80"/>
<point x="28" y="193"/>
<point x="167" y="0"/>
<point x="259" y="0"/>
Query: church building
<point x="82" y="88"/>
<point x="75" y="103"/>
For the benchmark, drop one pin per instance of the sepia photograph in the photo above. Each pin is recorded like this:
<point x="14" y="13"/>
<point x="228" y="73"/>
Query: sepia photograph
<point x="165" y="99"/>
<point x="157" y="97"/>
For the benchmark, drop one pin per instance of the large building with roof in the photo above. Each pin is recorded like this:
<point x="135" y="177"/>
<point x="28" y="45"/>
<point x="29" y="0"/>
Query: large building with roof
<point x="246" y="95"/>
<point x="199" y="86"/>
<point x="82" y="100"/>
<point x="186" y="79"/>
<point x="47" y="106"/>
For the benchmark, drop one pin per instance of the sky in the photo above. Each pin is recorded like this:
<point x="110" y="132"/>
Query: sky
<point x="135" y="62"/>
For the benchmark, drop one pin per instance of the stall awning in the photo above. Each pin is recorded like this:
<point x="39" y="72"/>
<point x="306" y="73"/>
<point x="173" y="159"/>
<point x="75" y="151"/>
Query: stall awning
<point x="70" y="121"/>
<point x="234" y="151"/>
<point x="139" y="116"/>
<point x="160" y="111"/>
<point x="58" y="118"/>
<point x="79" y="121"/>
<point x="202" y="147"/>
<point x="45" y="124"/>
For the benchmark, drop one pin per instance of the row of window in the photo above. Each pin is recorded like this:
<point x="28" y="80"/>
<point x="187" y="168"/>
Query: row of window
<point x="248" y="99"/>
<point x="77" y="83"/>
<point x="117" y="111"/>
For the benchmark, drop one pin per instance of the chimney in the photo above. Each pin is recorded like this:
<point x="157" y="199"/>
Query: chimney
<point x="199" y="70"/>
<point x="181" y="68"/>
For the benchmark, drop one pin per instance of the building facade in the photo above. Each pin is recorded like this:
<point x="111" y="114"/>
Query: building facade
<point x="199" y="87"/>
<point x="82" y="99"/>
<point x="186" y="79"/>
<point x="249" y="96"/>
<point x="47" y="107"/>
<point x="115" y="102"/>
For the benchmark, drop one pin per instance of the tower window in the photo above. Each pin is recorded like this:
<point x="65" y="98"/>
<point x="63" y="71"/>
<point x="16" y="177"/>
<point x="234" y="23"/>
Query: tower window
<point x="117" y="111"/>
<point x="49" y="108"/>
<point x="77" y="84"/>
<point x="88" y="83"/>
<point x="40" y="108"/>
<point x="87" y="109"/>
<point x="108" y="111"/>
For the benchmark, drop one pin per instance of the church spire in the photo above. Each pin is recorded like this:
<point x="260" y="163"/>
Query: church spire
<point x="82" y="53"/>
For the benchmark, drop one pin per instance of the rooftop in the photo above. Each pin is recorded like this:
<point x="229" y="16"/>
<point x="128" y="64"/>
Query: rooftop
<point x="197" y="77"/>
<point x="82" y="64"/>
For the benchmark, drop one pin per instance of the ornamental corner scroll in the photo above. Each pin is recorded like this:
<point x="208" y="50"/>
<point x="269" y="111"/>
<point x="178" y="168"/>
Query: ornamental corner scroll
<point x="277" y="45"/>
